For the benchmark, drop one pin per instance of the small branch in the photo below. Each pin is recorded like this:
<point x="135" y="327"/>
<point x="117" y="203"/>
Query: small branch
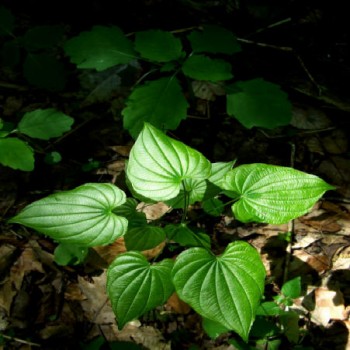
<point x="22" y="341"/>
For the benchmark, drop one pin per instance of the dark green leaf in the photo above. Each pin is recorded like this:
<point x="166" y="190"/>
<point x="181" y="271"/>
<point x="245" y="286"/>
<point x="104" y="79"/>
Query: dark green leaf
<point x="159" y="102"/>
<point x="16" y="154"/>
<point x="292" y="288"/>
<point x="212" y="328"/>
<point x="43" y="37"/>
<point x="70" y="254"/>
<point x="144" y="237"/>
<point x="213" y="206"/>
<point x="7" y="21"/>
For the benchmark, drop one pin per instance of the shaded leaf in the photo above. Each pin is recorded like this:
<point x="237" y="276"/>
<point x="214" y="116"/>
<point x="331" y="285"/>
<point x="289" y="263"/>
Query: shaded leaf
<point x="143" y="237"/>
<point x="45" y="123"/>
<point x="44" y="71"/>
<point x="204" y="68"/>
<point x="10" y="54"/>
<point x="100" y="48"/>
<point x="158" y="45"/>
<point x="7" y="21"/>
<point x="212" y="328"/>
<point x="158" y="164"/>
<point x="43" y="37"/>
<point x="214" y="39"/>
<point x="259" y="103"/>
<point x="70" y="254"/>
<point x="81" y="216"/>
<point x="159" y="102"/>
<point x="219" y="170"/>
<point x="226" y="289"/>
<point x="272" y="194"/>
<point x="134" y="286"/>
<point x="213" y="206"/>
<point x="16" y="154"/>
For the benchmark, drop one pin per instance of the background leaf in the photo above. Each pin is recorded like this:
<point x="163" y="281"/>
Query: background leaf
<point x="214" y="39"/>
<point x="158" y="45"/>
<point x="7" y="21"/>
<point x="45" y="123"/>
<point x="100" y="48"/>
<point x="70" y="254"/>
<point x="158" y="164"/>
<point x="226" y="289"/>
<point x="159" y="102"/>
<point x="292" y="288"/>
<point x="81" y="216"/>
<point x="201" y="67"/>
<point x="43" y="37"/>
<point x="44" y="71"/>
<point x="16" y="154"/>
<point x="135" y="287"/>
<point x="259" y="103"/>
<point x="272" y="194"/>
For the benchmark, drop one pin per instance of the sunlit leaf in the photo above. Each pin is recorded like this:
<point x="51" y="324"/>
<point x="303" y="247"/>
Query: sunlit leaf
<point x="292" y="288"/>
<point x="214" y="39"/>
<point x="159" y="102"/>
<point x="134" y="286"/>
<point x="16" y="154"/>
<point x="158" y="45"/>
<point x="158" y="164"/>
<point x="272" y="194"/>
<point x="201" y="67"/>
<point x="226" y="289"/>
<point x="100" y="48"/>
<point x="259" y="103"/>
<point x="45" y="123"/>
<point x="82" y="216"/>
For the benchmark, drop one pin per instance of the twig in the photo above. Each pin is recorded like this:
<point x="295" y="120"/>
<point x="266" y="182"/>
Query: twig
<point x="273" y="25"/>
<point x="22" y="341"/>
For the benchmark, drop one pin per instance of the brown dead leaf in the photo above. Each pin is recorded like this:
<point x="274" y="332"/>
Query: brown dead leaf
<point x="309" y="118"/>
<point x="329" y="305"/>
<point x="175" y="304"/>
<point x="336" y="142"/>
<point x="122" y="150"/>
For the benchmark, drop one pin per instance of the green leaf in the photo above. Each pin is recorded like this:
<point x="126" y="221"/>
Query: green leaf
<point x="53" y="158"/>
<point x="290" y="324"/>
<point x="10" y="54"/>
<point x="44" y="71"/>
<point x="212" y="328"/>
<point x="213" y="206"/>
<point x="186" y="237"/>
<point x="100" y="48"/>
<point x="219" y="170"/>
<point x="43" y="37"/>
<point x="7" y="21"/>
<point x="259" y="103"/>
<point x="201" y="67"/>
<point x="45" y="123"/>
<point x="134" y="286"/>
<point x="70" y="254"/>
<point x="292" y="288"/>
<point x="269" y="308"/>
<point x="272" y="194"/>
<point x="264" y="328"/>
<point x="158" y="164"/>
<point x="214" y="39"/>
<point x="16" y="154"/>
<point x="158" y="45"/>
<point x="81" y="216"/>
<point x="144" y="237"/>
<point x="226" y="289"/>
<point x="159" y="102"/>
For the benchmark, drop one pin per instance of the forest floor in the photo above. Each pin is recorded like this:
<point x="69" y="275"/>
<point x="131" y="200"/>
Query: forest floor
<point x="43" y="305"/>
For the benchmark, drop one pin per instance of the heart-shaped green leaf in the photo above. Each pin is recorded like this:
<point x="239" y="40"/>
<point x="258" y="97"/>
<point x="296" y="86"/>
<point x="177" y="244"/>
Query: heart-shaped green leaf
<point x="81" y="216"/>
<point x="226" y="289"/>
<point x="134" y="286"/>
<point x="159" y="102"/>
<point x="100" y="48"/>
<point x="219" y="170"/>
<point x="16" y="154"/>
<point x="158" y="164"/>
<point x="45" y="123"/>
<point x="144" y="237"/>
<point x="272" y="194"/>
<point x="158" y="45"/>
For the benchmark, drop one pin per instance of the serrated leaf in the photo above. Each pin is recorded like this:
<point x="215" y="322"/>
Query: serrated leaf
<point x="159" y="102"/>
<point x="100" y="48"/>
<point x="158" y="45"/>
<point x="186" y="237"/>
<point x="259" y="103"/>
<point x="214" y="39"/>
<point x="7" y="21"/>
<point x="44" y="71"/>
<point x="134" y="286"/>
<point x="292" y="288"/>
<point x="45" y="123"/>
<point x="272" y="194"/>
<point x="201" y="67"/>
<point x="82" y="216"/>
<point x="226" y="289"/>
<point x="143" y="237"/>
<point x="16" y="154"/>
<point x="43" y="37"/>
<point x="158" y="164"/>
